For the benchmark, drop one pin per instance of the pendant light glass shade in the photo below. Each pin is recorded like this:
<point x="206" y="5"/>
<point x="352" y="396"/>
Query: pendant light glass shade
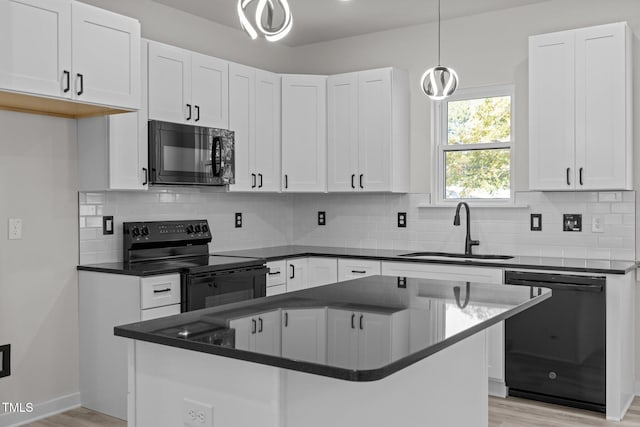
<point x="439" y="82"/>
<point x="267" y="7"/>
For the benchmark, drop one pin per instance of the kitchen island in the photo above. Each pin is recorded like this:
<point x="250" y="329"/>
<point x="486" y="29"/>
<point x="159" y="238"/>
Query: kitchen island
<point x="375" y="351"/>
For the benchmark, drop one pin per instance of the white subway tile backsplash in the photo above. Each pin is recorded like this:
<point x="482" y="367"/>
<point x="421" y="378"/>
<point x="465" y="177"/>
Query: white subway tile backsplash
<point x="368" y="221"/>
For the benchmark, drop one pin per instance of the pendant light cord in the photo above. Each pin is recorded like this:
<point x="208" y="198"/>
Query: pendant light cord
<point x="438" y="32"/>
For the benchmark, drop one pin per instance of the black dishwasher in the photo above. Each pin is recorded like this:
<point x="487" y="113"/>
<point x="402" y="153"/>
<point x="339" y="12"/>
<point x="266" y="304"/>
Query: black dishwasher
<point x="555" y="351"/>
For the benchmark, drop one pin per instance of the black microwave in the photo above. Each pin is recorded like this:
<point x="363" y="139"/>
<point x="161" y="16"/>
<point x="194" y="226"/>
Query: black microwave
<point x="190" y="155"/>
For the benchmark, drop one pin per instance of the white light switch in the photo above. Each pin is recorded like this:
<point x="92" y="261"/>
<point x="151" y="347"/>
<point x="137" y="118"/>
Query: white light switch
<point x="15" y="228"/>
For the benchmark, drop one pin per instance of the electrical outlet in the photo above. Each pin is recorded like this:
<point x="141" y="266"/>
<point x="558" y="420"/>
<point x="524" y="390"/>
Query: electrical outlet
<point x="15" y="228"/>
<point x="238" y="220"/>
<point x="536" y="222"/>
<point x="597" y="224"/>
<point x="402" y="219"/>
<point x="572" y="222"/>
<point x="107" y="225"/>
<point x="197" y="414"/>
<point x="5" y="360"/>
<point x="322" y="218"/>
<point x="402" y="282"/>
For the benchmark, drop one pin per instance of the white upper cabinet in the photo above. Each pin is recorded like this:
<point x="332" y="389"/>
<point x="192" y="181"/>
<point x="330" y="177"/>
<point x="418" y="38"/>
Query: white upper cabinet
<point x="304" y="133"/>
<point x="254" y="116"/>
<point x="186" y="87"/>
<point x="105" y="57"/>
<point x="113" y="150"/>
<point x="368" y="131"/>
<point x="68" y="50"/>
<point x="35" y="46"/>
<point x="580" y="95"/>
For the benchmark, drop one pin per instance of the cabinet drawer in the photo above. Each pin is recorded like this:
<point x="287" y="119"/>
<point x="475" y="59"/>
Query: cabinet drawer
<point x="354" y="268"/>
<point x="156" y="291"/>
<point x="158" y="312"/>
<point x="276" y="275"/>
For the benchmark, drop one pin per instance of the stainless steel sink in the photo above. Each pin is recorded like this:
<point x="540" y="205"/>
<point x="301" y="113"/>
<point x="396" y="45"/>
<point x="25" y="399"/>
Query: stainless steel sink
<point x="454" y="255"/>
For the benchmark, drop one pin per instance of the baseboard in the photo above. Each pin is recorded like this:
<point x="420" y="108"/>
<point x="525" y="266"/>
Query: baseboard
<point x="40" y="410"/>
<point x="497" y="389"/>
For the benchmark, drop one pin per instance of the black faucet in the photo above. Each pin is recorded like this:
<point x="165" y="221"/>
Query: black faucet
<point x="468" y="243"/>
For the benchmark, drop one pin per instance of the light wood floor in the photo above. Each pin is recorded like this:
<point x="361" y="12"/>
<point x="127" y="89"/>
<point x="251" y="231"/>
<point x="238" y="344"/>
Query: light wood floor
<point x="510" y="412"/>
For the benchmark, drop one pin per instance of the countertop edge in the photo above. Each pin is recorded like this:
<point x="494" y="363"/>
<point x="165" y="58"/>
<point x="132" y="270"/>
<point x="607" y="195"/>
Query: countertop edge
<point x="326" y="370"/>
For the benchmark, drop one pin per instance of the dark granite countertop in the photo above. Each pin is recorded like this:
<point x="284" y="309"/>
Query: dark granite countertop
<point x="432" y="315"/>
<point x="583" y="265"/>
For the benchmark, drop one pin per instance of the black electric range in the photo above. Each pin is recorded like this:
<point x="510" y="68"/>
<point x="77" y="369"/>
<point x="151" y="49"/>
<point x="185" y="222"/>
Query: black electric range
<point x="183" y="246"/>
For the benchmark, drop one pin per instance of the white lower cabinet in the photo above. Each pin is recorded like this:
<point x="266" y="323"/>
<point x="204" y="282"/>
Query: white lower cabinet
<point x="296" y="273"/>
<point x="352" y="268"/>
<point x="366" y="340"/>
<point x="259" y="333"/>
<point x="304" y="334"/>
<point x="322" y="271"/>
<point x="104" y="301"/>
<point x="495" y="334"/>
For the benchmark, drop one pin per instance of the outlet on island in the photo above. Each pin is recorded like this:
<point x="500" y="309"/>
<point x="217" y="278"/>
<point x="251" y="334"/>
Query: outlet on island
<point x="238" y="220"/>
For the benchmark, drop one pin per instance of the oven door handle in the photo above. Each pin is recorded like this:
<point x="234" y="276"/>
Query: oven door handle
<point x="557" y="286"/>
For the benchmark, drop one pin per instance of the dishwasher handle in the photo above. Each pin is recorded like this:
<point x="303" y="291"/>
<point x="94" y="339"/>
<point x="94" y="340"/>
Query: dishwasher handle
<point x="557" y="286"/>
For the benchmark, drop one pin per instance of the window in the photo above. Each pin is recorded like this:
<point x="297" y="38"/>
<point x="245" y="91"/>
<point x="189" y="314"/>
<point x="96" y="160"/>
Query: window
<point x="474" y="145"/>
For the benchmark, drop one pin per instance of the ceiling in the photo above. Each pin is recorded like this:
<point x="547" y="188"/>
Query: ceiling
<point x="323" y="20"/>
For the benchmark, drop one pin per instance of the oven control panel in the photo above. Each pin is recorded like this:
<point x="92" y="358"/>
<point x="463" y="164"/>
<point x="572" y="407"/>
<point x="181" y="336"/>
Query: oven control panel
<point x="166" y="231"/>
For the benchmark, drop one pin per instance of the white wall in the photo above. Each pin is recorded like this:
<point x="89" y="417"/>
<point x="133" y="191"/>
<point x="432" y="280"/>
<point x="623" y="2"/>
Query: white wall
<point x="38" y="282"/>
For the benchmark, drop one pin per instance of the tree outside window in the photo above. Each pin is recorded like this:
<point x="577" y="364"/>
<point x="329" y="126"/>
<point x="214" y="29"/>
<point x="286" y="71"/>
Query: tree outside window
<point x="475" y="144"/>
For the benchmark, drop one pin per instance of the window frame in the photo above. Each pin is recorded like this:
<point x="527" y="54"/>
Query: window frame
<point x="440" y="141"/>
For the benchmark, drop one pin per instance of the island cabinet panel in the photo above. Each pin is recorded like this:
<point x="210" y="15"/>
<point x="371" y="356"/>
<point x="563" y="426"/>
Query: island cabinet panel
<point x="304" y="133"/>
<point x="187" y="87"/>
<point x="580" y="133"/>
<point x="260" y="334"/>
<point x="49" y="49"/>
<point x="366" y="340"/>
<point x="351" y="268"/>
<point x="495" y="334"/>
<point x="304" y="334"/>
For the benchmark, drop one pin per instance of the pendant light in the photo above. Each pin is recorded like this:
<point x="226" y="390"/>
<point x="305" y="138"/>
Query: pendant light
<point x="439" y="82"/>
<point x="269" y="32"/>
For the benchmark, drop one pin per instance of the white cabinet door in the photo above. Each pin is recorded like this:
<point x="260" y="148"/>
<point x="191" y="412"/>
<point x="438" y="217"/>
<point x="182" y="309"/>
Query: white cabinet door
<point x="304" y="139"/>
<point x="342" y="338"/>
<point x="602" y="101"/>
<point x="106" y="57"/>
<point x="349" y="268"/>
<point x="322" y="271"/>
<point x="297" y="274"/>
<point x="169" y="83"/>
<point x="209" y="91"/>
<point x="242" y="122"/>
<point x="267" y="149"/>
<point x="35" y="46"/>
<point x="374" y="340"/>
<point x="552" y="111"/>
<point x="304" y="334"/>
<point x="342" y="132"/>
<point x="260" y="333"/>
<point x="268" y="333"/>
<point x="374" y="130"/>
